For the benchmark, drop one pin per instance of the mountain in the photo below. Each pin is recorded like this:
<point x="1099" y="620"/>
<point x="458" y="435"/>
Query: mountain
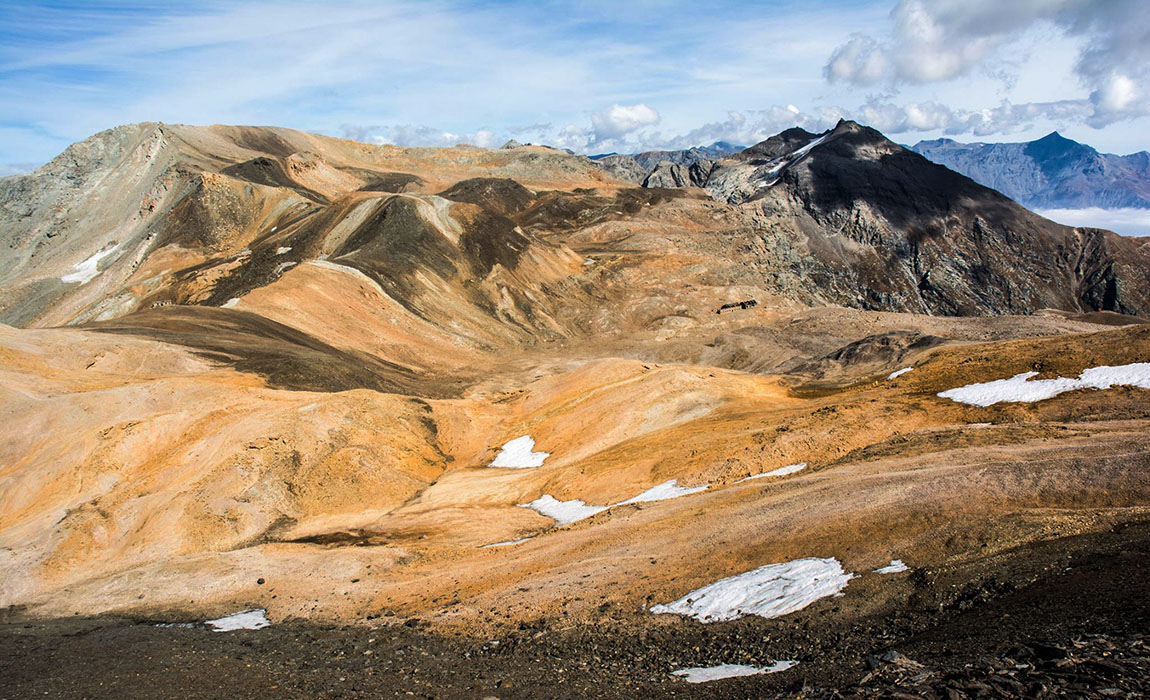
<point x="204" y="216"/>
<point x="665" y="168"/>
<point x="1052" y="172"/>
<point x="918" y="236"/>
<point x="504" y="395"/>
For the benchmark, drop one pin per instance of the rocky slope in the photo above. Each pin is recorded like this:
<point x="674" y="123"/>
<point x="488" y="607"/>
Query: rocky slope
<point x="255" y="368"/>
<point x="1052" y="172"/>
<point x="920" y="237"/>
<point x="651" y="168"/>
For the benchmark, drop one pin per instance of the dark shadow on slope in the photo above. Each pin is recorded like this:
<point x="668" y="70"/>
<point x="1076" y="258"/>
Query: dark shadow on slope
<point x="270" y="172"/>
<point x="285" y="357"/>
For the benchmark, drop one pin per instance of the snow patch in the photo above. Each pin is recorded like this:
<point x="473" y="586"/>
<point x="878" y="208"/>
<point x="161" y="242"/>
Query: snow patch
<point x="1019" y="388"/>
<point x="84" y="272"/>
<point x="562" y="512"/>
<point x="894" y="567"/>
<point x="665" y="490"/>
<point x="230" y="303"/>
<point x="769" y="591"/>
<point x="283" y="249"/>
<point x="507" y="543"/>
<point x="245" y="620"/>
<point x="714" y="673"/>
<point x="799" y="153"/>
<point x="781" y="471"/>
<point x="588" y="262"/>
<point x="517" y="454"/>
<point x="899" y="372"/>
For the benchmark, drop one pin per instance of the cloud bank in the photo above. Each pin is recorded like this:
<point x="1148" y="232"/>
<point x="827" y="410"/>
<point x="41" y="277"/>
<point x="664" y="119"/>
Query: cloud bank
<point x="942" y="40"/>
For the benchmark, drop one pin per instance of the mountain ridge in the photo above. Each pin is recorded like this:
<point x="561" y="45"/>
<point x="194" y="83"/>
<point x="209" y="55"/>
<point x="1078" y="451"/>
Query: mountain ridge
<point x="1052" y="172"/>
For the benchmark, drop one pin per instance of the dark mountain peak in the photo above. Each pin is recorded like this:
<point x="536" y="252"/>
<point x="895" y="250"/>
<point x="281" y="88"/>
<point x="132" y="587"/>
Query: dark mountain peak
<point x="1053" y="137"/>
<point x="1056" y="146"/>
<point x="778" y="145"/>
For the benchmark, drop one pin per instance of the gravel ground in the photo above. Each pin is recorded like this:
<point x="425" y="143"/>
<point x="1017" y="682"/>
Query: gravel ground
<point x="1077" y="630"/>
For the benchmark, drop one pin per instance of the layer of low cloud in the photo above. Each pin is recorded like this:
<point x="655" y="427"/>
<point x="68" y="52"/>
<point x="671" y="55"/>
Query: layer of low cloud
<point x="1126" y="221"/>
<point x="942" y="40"/>
<point x="631" y="128"/>
<point x="417" y="135"/>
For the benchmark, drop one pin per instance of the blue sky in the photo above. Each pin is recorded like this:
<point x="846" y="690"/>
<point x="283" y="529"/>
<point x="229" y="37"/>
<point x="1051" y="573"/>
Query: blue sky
<point x="591" y="76"/>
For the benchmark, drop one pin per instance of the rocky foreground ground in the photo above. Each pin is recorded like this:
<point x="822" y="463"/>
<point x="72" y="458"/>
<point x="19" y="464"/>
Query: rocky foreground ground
<point x="1063" y="619"/>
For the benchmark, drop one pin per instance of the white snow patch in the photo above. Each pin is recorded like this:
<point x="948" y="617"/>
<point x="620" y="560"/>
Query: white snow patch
<point x="894" y="567"/>
<point x="230" y="303"/>
<point x="588" y="262"/>
<point x="714" y="673"/>
<point x="507" y="543"/>
<point x="562" y="512"/>
<point x="665" y="490"/>
<point x="899" y="372"/>
<point x="799" y="153"/>
<point x="273" y="229"/>
<point x="244" y="620"/>
<point x="283" y="249"/>
<point x="769" y="591"/>
<point x="1019" y="388"/>
<point x="284" y="267"/>
<point x="86" y="271"/>
<point x="517" y="454"/>
<point x="781" y="471"/>
<point x="764" y="185"/>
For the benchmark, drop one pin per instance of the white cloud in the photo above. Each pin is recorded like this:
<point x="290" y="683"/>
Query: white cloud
<point x="617" y="121"/>
<point x="626" y="134"/>
<point x="1006" y="118"/>
<point x="1126" y="221"/>
<point x="860" y="61"/>
<point x="942" y="40"/>
<point x="419" y="135"/>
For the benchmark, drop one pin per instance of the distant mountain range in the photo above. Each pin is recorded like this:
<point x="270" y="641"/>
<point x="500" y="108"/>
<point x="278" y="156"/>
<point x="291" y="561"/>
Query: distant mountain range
<point x="1052" y="172"/>
<point x="688" y="166"/>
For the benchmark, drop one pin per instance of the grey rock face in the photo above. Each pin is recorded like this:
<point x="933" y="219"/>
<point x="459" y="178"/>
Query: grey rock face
<point x="623" y="167"/>
<point x="694" y="165"/>
<point x="668" y="174"/>
<point x="1051" y="172"/>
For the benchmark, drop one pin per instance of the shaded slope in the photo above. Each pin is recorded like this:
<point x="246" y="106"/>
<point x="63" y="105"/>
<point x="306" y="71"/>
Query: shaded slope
<point x="285" y="357"/>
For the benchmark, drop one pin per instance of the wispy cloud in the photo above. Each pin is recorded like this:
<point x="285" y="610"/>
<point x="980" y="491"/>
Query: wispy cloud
<point x="583" y="75"/>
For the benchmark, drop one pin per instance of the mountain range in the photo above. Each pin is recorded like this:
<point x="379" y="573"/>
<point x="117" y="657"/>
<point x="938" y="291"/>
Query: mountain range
<point x="516" y="407"/>
<point x="1052" y="172"/>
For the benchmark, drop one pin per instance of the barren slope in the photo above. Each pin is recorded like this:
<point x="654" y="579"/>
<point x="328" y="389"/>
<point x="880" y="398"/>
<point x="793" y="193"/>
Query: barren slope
<point x="261" y="368"/>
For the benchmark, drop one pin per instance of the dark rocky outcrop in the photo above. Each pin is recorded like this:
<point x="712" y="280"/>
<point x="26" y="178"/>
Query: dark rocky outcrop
<point x="884" y="228"/>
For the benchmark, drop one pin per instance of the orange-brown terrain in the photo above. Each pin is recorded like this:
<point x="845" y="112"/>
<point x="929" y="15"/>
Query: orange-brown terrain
<point x="256" y="368"/>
